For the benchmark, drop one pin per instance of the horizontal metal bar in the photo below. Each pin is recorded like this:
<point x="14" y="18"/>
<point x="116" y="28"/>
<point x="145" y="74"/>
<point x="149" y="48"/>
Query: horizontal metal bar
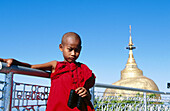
<point x="22" y="70"/>
<point x="17" y="83"/>
<point x="129" y="88"/>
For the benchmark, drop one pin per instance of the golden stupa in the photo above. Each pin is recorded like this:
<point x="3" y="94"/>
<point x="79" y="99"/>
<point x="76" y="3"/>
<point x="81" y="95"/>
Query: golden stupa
<point x="131" y="76"/>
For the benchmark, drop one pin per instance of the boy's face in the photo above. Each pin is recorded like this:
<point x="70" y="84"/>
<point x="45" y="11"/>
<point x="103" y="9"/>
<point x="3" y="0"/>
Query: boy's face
<point x="71" y="49"/>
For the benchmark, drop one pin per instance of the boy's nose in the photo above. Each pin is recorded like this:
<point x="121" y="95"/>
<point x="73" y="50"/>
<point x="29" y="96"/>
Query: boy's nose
<point x="73" y="53"/>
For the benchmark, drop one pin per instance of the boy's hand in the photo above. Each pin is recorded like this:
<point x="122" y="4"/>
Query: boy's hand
<point x="14" y="62"/>
<point x="81" y="91"/>
<point x="9" y="62"/>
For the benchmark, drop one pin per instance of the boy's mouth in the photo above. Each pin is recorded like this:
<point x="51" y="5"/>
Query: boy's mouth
<point x="72" y="58"/>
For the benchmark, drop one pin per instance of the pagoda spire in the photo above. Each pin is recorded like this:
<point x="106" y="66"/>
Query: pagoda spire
<point x="130" y="40"/>
<point x="131" y="59"/>
<point x="131" y="70"/>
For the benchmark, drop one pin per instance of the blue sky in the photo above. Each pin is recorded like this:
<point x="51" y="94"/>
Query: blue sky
<point x="31" y="30"/>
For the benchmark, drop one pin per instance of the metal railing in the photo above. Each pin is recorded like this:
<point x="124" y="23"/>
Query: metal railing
<point x="143" y="100"/>
<point x="9" y="92"/>
<point x="32" y="97"/>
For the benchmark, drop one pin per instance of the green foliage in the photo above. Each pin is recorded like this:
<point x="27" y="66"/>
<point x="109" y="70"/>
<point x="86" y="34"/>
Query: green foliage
<point x="120" y="102"/>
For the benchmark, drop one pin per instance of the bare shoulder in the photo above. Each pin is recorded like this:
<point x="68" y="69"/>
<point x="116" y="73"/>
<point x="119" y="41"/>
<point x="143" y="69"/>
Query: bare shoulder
<point x="53" y="63"/>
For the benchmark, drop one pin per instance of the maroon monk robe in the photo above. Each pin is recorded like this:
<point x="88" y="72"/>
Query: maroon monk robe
<point x="69" y="76"/>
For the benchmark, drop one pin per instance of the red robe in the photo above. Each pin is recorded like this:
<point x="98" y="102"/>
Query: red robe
<point x="69" y="76"/>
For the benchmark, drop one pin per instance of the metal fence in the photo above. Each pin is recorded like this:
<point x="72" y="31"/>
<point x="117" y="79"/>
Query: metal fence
<point x="142" y="100"/>
<point x="28" y="97"/>
<point x="20" y="96"/>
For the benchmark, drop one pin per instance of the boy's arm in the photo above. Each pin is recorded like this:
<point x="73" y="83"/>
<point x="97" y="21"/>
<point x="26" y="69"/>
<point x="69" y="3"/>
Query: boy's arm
<point x="50" y="66"/>
<point x="14" y="62"/>
<point x="46" y="66"/>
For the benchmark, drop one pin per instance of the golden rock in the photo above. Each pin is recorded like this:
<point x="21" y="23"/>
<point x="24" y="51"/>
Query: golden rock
<point x="132" y="76"/>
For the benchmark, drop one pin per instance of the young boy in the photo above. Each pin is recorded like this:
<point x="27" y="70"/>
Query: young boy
<point x="66" y="76"/>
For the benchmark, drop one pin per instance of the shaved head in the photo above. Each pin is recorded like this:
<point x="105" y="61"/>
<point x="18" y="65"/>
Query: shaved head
<point x="70" y="46"/>
<point x="71" y="36"/>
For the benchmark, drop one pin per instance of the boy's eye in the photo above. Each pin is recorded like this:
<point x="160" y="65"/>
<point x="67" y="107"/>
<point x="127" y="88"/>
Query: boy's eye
<point x="76" y="50"/>
<point x="70" y="49"/>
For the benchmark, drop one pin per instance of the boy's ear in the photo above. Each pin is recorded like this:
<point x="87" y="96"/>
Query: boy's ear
<point x="61" y="47"/>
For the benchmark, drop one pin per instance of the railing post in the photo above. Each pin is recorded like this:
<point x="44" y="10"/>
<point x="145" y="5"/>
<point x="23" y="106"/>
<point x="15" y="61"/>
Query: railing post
<point x="92" y="98"/>
<point x="145" y="100"/>
<point x="8" y="91"/>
